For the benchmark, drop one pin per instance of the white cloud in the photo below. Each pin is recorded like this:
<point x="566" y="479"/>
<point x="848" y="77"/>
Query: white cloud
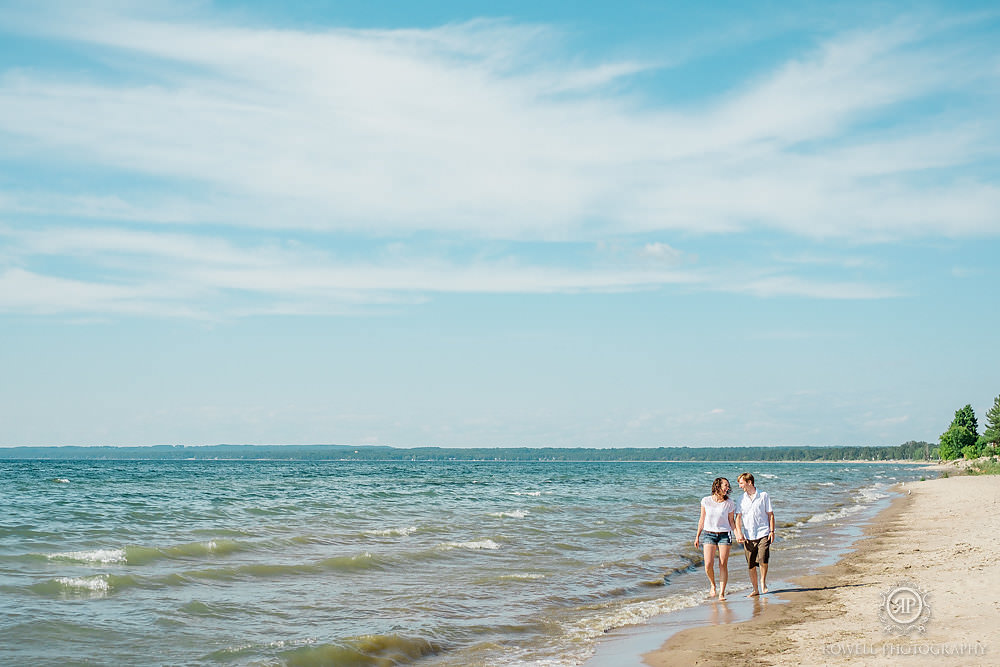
<point x="475" y="132"/>
<point x="171" y="274"/>
<point x="460" y="129"/>
<point x="30" y="292"/>
<point x="187" y="274"/>
<point x="774" y="286"/>
<point x="661" y="252"/>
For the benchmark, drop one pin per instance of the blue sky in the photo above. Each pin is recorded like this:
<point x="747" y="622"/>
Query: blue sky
<point x="496" y="224"/>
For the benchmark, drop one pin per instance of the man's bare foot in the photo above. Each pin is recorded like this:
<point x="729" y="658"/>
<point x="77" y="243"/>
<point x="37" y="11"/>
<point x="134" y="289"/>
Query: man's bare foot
<point x="711" y="593"/>
<point x="722" y="596"/>
<point x="752" y="594"/>
<point x="764" y="590"/>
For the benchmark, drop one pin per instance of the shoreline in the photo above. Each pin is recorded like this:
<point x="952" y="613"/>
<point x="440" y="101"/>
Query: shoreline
<point x="926" y="538"/>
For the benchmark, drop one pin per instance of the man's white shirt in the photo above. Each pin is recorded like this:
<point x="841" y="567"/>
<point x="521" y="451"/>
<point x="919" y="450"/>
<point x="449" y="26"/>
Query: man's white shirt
<point x="753" y="512"/>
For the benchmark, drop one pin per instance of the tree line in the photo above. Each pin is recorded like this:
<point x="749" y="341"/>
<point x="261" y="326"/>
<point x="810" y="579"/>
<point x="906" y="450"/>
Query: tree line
<point x="962" y="439"/>
<point x="909" y="451"/>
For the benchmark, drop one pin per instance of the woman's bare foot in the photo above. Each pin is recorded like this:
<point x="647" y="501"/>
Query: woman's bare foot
<point x="711" y="593"/>
<point x="752" y="594"/>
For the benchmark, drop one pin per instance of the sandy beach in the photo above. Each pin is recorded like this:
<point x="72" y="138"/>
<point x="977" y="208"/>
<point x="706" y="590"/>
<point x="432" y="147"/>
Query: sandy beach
<point x="923" y="585"/>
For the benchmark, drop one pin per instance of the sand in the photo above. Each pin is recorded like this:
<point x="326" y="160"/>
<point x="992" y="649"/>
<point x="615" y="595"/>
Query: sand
<point x="934" y="552"/>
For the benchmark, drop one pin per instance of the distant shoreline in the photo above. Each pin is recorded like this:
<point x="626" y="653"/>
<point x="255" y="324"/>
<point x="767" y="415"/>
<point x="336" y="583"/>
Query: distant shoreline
<point x="928" y="464"/>
<point x="909" y="453"/>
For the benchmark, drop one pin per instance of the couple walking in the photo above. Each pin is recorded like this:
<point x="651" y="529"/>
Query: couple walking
<point x="752" y="521"/>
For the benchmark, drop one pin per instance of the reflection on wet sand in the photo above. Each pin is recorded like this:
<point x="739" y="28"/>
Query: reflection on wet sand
<point x="721" y="612"/>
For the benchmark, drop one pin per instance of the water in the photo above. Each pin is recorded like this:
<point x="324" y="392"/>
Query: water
<point x="361" y="563"/>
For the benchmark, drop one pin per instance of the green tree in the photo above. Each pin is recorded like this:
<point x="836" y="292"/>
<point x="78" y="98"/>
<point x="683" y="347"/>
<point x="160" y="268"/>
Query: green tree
<point x="960" y="435"/>
<point x="971" y="451"/>
<point x="967" y="417"/>
<point x="991" y="433"/>
<point x="954" y="441"/>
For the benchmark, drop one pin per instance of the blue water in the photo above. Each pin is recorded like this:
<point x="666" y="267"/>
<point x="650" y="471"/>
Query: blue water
<point x="367" y="563"/>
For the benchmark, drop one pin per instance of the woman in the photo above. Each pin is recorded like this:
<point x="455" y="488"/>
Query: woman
<point x="718" y="524"/>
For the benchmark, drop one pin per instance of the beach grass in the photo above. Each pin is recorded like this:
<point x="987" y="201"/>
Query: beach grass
<point x="989" y="466"/>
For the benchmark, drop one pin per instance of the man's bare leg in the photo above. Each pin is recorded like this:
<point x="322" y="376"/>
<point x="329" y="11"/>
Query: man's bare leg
<point x="763" y="577"/>
<point x="753" y="582"/>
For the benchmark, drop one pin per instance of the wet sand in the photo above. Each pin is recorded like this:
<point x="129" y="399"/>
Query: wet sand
<point x="933" y="556"/>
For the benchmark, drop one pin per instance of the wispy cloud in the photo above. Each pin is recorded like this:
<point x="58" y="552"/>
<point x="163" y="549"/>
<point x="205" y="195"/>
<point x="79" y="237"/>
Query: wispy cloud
<point x="773" y="286"/>
<point x="144" y="271"/>
<point x="479" y="131"/>
<point x="453" y="129"/>
<point x="661" y="252"/>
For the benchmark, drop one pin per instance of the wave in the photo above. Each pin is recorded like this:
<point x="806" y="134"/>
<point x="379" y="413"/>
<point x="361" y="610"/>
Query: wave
<point x="863" y="498"/>
<point x="213" y="609"/>
<point x="870" y="494"/>
<point x="60" y="480"/>
<point x="611" y="615"/>
<point x="516" y="514"/>
<point x="100" y="582"/>
<point x="314" y="539"/>
<point x="687" y="564"/>
<point x="374" y="650"/>
<point x="363" y="561"/>
<point x="96" y="585"/>
<point x="141" y="555"/>
<point x="477" y="544"/>
<point x="599" y="534"/>
<point x="231" y="653"/>
<point x="392" y="532"/>
<point x="103" y="584"/>
<point x="839" y="513"/>
<point x="522" y="576"/>
<point x="102" y="556"/>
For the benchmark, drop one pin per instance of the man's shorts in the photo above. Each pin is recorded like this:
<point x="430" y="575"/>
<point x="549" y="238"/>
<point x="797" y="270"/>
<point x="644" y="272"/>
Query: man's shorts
<point x="758" y="552"/>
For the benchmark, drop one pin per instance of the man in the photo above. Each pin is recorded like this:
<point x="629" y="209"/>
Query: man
<point x="755" y="530"/>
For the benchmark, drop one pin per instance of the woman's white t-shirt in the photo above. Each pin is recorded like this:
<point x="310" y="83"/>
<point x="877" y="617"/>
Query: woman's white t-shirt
<point x="717" y="514"/>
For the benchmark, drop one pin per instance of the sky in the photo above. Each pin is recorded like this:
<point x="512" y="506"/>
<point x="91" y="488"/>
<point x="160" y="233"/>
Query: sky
<point x="500" y="224"/>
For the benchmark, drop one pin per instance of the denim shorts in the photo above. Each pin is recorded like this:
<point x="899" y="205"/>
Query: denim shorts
<point x="708" y="537"/>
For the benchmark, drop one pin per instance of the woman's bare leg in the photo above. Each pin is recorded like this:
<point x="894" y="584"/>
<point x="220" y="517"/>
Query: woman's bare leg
<point x="723" y="569"/>
<point x="710" y="566"/>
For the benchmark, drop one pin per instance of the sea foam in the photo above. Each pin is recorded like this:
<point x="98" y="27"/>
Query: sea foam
<point x="477" y="544"/>
<point x="103" y="556"/>
<point x="96" y="583"/>
<point x="391" y="532"/>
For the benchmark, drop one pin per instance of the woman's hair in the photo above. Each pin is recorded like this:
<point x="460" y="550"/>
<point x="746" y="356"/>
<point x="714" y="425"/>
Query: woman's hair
<point x="717" y="487"/>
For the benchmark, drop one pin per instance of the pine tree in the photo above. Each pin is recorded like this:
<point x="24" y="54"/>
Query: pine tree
<point x="992" y="431"/>
<point x="967" y="417"/>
